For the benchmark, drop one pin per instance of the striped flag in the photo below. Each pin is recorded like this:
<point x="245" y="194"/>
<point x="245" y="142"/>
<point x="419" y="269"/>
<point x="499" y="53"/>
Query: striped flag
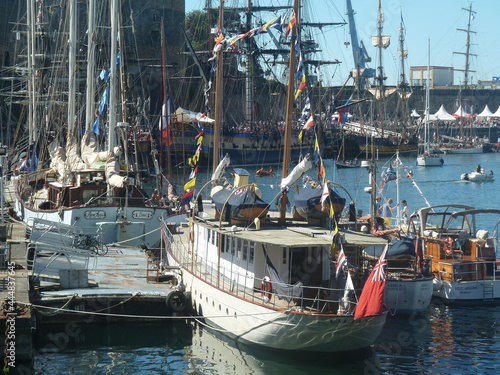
<point x="341" y="263"/>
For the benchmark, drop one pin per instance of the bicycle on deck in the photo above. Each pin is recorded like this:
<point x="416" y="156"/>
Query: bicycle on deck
<point x="90" y="242"/>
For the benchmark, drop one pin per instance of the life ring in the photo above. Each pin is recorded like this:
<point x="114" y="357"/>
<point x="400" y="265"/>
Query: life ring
<point x="265" y="289"/>
<point x="448" y="246"/>
<point x="176" y="301"/>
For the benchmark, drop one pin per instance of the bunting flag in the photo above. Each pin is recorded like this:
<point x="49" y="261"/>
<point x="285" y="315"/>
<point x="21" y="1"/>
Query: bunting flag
<point x="302" y="86"/>
<point x="317" y="156"/>
<point x="409" y="174"/>
<point x="306" y="110"/>
<point x="371" y="301"/>
<point x="186" y="197"/>
<point x="324" y="195"/>
<point x="190" y="184"/>
<point x="310" y="123"/>
<point x="300" y="64"/>
<point x="281" y="21"/>
<point x="193" y="161"/>
<point x="219" y="37"/>
<point x="341" y="263"/>
<point x="291" y="24"/>
<point x="194" y="171"/>
<point x="263" y="29"/>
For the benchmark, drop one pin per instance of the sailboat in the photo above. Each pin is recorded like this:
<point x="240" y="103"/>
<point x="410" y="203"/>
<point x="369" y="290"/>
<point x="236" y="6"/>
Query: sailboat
<point x="94" y="192"/>
<point x="427" y="158"/>
<point x="269" y="283"/>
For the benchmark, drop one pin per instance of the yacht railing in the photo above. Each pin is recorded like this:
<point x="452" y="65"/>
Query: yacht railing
<point x="313" y="299"/>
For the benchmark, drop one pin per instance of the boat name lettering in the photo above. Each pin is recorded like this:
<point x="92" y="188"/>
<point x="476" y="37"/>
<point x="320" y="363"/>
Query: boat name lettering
<point x="95" y="214"/>
<point x="463" y="288"/>
<point x="142" y="215"/>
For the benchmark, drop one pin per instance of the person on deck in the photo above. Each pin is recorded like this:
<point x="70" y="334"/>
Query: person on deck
<point x="386" y="210"/>
<point x="405" y="212"/>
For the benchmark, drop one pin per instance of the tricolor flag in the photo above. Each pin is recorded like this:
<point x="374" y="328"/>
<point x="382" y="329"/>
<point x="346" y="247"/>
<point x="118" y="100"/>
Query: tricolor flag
<point x="371" y="301"/>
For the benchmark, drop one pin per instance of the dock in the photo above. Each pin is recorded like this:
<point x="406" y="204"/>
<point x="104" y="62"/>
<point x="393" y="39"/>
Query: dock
<point x="45" y="280"/>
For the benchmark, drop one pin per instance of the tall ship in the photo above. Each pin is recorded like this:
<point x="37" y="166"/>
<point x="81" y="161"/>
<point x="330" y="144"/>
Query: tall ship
<point x="370" y="124"/>
<point x="75" y="168"/>
<point x="254" y="90"/>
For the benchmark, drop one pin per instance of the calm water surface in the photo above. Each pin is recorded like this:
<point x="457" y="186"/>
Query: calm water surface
<point x="441" y="341"/>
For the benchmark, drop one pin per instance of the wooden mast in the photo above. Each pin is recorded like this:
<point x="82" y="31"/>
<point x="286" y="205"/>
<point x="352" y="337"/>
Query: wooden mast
<point x="289" y="112"/>
<point x="218" y="92"/>
<point x="164" y="111"/>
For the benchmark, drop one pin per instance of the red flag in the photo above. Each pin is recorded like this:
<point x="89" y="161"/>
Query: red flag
<point x="371" y="301"/>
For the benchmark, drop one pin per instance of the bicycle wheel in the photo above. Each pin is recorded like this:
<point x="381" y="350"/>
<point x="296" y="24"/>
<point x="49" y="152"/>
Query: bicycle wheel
<point x="94" y="249"/>
<point x="102" y="250"/>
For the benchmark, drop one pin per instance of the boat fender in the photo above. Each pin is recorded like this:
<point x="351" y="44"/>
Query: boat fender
<point x="265" y="289"/>
<point x="176" y="301"/>
<point x="448" y="246"/>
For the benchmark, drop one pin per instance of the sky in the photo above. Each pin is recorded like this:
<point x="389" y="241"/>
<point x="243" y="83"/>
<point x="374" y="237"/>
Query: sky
<point x="427" y="22"/>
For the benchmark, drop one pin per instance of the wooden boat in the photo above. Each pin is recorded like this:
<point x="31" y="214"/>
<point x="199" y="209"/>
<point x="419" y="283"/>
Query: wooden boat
<point x="461" y="256"/>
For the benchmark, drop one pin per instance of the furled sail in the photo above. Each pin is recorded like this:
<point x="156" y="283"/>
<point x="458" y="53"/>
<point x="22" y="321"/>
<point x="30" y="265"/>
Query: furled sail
<point x="297" y="172"/>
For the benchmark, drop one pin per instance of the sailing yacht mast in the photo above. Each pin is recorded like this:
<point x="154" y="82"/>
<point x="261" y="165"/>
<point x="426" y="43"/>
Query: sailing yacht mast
<point x="218" y="92"/>
<point x="73" y="10"/>
<point x="113" y="77"/>
<point x="289" y="111"/>
<point x="90" y="105"/>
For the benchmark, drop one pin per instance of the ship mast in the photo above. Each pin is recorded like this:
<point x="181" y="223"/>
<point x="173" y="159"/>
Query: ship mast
<point x="218" y="92"/>
<point x="404" y="89"/>
<point x="381" y="42"/>
<point x="467" y="47"/>
<point x="289" y="112"/>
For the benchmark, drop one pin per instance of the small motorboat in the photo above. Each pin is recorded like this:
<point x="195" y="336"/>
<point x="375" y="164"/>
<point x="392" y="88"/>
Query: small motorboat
<point x="477" y="176"/>
<point x="262" y="172"/>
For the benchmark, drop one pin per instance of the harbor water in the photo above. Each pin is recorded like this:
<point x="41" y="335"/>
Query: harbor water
<point x="442" y="340"/>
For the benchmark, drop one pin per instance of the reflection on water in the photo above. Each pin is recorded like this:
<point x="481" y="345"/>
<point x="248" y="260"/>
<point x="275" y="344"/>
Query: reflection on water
<point x="443" y="340"/>
<point x="440" y="341"/>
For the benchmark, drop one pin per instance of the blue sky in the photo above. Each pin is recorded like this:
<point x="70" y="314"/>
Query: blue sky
<point x="436" y="20"/>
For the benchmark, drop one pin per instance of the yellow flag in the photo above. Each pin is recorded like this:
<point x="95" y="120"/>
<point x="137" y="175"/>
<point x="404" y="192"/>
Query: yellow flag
<point x="199" y="140"/>
<point x="301" y="134"/>
<point x="190" y="184"/>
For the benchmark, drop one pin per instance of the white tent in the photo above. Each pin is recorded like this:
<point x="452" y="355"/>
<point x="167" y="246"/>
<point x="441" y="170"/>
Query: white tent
<point x="186" y="115"/>
<point x="414" y="113"/>
<point x="442" y="114"/>
<point x="497" y="113"/>
<point x="486" y="112"/>
<point x="460" y="113"/>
